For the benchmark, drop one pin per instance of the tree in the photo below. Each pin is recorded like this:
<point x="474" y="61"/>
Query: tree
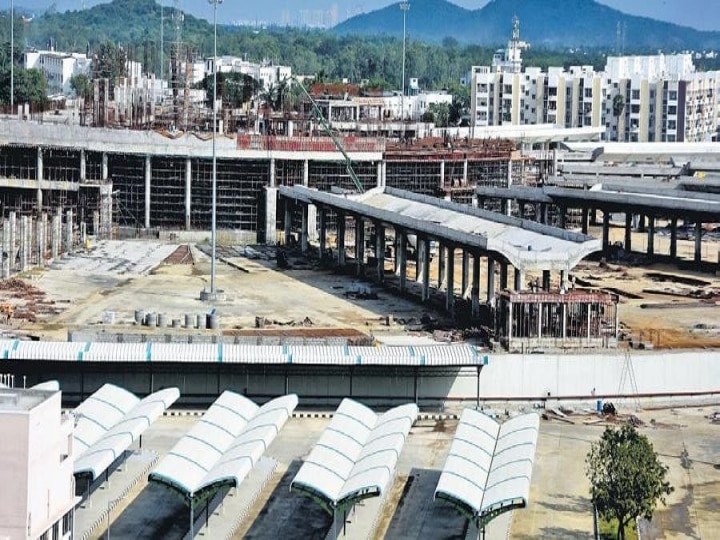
<point x="81" y="85"/>
<point x="626" y="476"/>
<point x="439" y="112"/>
<point x="618" y="105"/>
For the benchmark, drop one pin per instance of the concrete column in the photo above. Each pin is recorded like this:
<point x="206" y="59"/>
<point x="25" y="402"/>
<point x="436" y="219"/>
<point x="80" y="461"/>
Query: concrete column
<point x="23" y="243"/>
<point x="401" y="257"/>
<point x="465" y="271"/>
<point x="519" y="280"/>
<point x="441" y="265"/>
<point x="584" y="224"/>
<point x="104" y="166"/>
<point x="475" y="286"/>
<point x="563" y="314"/>
<point x="628" y="232"/>
<point x="606" y="232"/>
<point x="380" y="251"/>
<point x="96" y="223"/>
<point x="69" y="231"/>
<point x="38" y="243"/>
<point x="465" y="172"/>
<point x="450" y="271"/>
<point x="546" y="280"/>
<point x="322" y="238"/>
<point x="425" y="269"/>
<point x="539" y="319"/>
<point x="442" y="174"/>
<point x="698" y="241"/>
<point x="379" y="174"/>
<point x="304" y="229"/>
<point x="341" y="239"/>
<point x="651" y="236"/>
<point x="55" y="236"/>
<point x="42" y="247"/>
<point x="491" y="281"/>
<point x="83" y="233"/>
<point x="509" y="320"/>
<point x="543" y="213"/>
<point x="272" y="172"/>
<point x="287" y="223"/>
<point x="563" y="280"/>
<point x="312" y="228"/>
<point x="419" y="259"/>
<point x="148" y="176"/>
<point x="83" y="165"/>
<point x="271" y="196"/>
<point x="188" y="193"/>
<point x="589" y="320"/>
<point x="562" y="213"/>
<point x="641" y="223"/>
<point x="39" y="200"/>
<point x="359" y="244"/>
<point x="106" y="210"/>
<point x="13" y="237"/>
<point x="384" y="173"/>
<point x="673" y="238"/>
<point x="6" y="249"/>
<point x="39" y="174"/>
<point x="306" y="173"/>
<point x="475" y="202"/>
<point x="503" y="275"/>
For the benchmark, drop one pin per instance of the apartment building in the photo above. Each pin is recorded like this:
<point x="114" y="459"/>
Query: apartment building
<point x="58" y="68"/>
<point x="635" y="98"/>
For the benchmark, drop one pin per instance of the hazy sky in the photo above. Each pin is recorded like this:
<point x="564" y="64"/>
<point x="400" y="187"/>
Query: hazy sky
<point x="701" y="14"/>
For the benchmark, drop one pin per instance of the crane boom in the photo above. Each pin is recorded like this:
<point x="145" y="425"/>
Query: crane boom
<point x="328" y="131"/>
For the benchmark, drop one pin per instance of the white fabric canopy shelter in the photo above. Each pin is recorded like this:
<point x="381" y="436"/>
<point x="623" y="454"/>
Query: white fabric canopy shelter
<point x="356" y="455"/>
<point x="224" y="445"/>
<point x="489" y="467"/>
<point x="102" y="453"/>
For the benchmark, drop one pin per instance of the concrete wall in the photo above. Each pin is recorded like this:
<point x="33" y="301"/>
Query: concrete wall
<point x="518" y="377"/>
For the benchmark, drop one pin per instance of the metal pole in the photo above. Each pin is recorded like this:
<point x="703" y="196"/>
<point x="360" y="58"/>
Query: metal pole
<point x="404" y="6"/>
<point x="213" y="290"/>
<point x="162" y="42"/>
<point x="12" y="56"/>
<point x="192" y="525"/>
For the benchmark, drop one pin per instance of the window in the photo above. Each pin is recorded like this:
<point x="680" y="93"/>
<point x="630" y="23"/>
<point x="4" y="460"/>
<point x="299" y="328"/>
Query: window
<point x="672" y="124"/>
<point x="67" y="522"/>
<point x="672" y="109"/>
<point x="588" y="92"/>
<point x="673" y="95"/>
<point x="635" y="109"/>
<point x="636" y="94"/>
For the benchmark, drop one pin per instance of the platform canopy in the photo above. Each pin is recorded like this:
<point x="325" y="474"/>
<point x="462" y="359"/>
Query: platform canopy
<point x="527" y="245"/>
<point x="356" y="455"/>
<point x="223" y="447"/>
<point x="109" y="421"/>
<point x="489" y="467"/>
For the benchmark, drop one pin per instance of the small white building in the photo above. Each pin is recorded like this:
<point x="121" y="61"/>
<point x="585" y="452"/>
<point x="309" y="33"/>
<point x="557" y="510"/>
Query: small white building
<point x="266" y="73"/>
<point x="58" y="68"/>
<point x="36" y="466"/>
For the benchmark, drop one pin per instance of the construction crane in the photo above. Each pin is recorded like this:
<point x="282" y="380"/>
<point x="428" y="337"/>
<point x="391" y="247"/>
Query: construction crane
<point x="328" y="130"/>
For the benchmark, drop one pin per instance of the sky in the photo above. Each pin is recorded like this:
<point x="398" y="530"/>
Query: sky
<point x="700" y="14"/>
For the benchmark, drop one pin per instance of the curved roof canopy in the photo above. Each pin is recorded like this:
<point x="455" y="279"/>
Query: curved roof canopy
<point x="356" y="455"/>
<point x="527" y="245"/>
<point x="109" y="421"/>
<point x="489" y="467"/>
<point x="224" y="445"/>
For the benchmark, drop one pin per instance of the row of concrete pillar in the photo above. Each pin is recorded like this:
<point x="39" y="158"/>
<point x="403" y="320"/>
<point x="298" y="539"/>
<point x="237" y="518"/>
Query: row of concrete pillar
<point x="26" y="240"/>
<point x="471" y="258"/>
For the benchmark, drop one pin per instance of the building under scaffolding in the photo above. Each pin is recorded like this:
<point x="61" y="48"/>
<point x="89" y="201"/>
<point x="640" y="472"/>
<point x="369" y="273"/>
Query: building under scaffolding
<point x="538" y="320"/>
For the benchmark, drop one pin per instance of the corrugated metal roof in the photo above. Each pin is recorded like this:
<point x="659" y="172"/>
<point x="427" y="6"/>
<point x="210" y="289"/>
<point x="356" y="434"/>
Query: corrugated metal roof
<point x="489" y="465"/>
<point x="98" y="457"/>
<point x="224" y="445"/>
<point x="356" y="454"/>
<point x="433" y="355"/>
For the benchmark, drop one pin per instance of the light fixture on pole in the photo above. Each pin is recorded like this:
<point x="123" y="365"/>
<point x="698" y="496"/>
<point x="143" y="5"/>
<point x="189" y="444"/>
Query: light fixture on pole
<point x="405" y="7"/>
<point x="213" y="295"/>
<point x="12" y="56"/>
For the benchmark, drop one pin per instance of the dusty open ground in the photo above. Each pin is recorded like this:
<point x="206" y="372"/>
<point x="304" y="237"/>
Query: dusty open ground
<point x="660" y="304"/>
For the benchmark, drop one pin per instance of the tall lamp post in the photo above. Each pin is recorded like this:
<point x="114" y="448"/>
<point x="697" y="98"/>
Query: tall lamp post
<point x="213" y="290"/>
<point x="405" y="7"/>
<point x="12" y="56"/>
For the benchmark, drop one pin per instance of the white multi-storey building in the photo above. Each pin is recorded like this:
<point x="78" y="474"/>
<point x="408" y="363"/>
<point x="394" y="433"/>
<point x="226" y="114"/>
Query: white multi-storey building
<point x="58" y="68"/>
<point x="36" y="466"/>
<point x="636" y="98"/>
<point x="266" y="73"/>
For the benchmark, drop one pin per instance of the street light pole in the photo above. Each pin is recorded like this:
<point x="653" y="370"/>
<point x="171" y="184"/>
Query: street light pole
<point x="405" y="7"/>
<point x="12" y="58"/>
<point x="213" y="290"/>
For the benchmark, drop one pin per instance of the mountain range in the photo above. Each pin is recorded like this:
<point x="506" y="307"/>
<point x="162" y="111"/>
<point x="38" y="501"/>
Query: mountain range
<point x="543" y="23"/>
